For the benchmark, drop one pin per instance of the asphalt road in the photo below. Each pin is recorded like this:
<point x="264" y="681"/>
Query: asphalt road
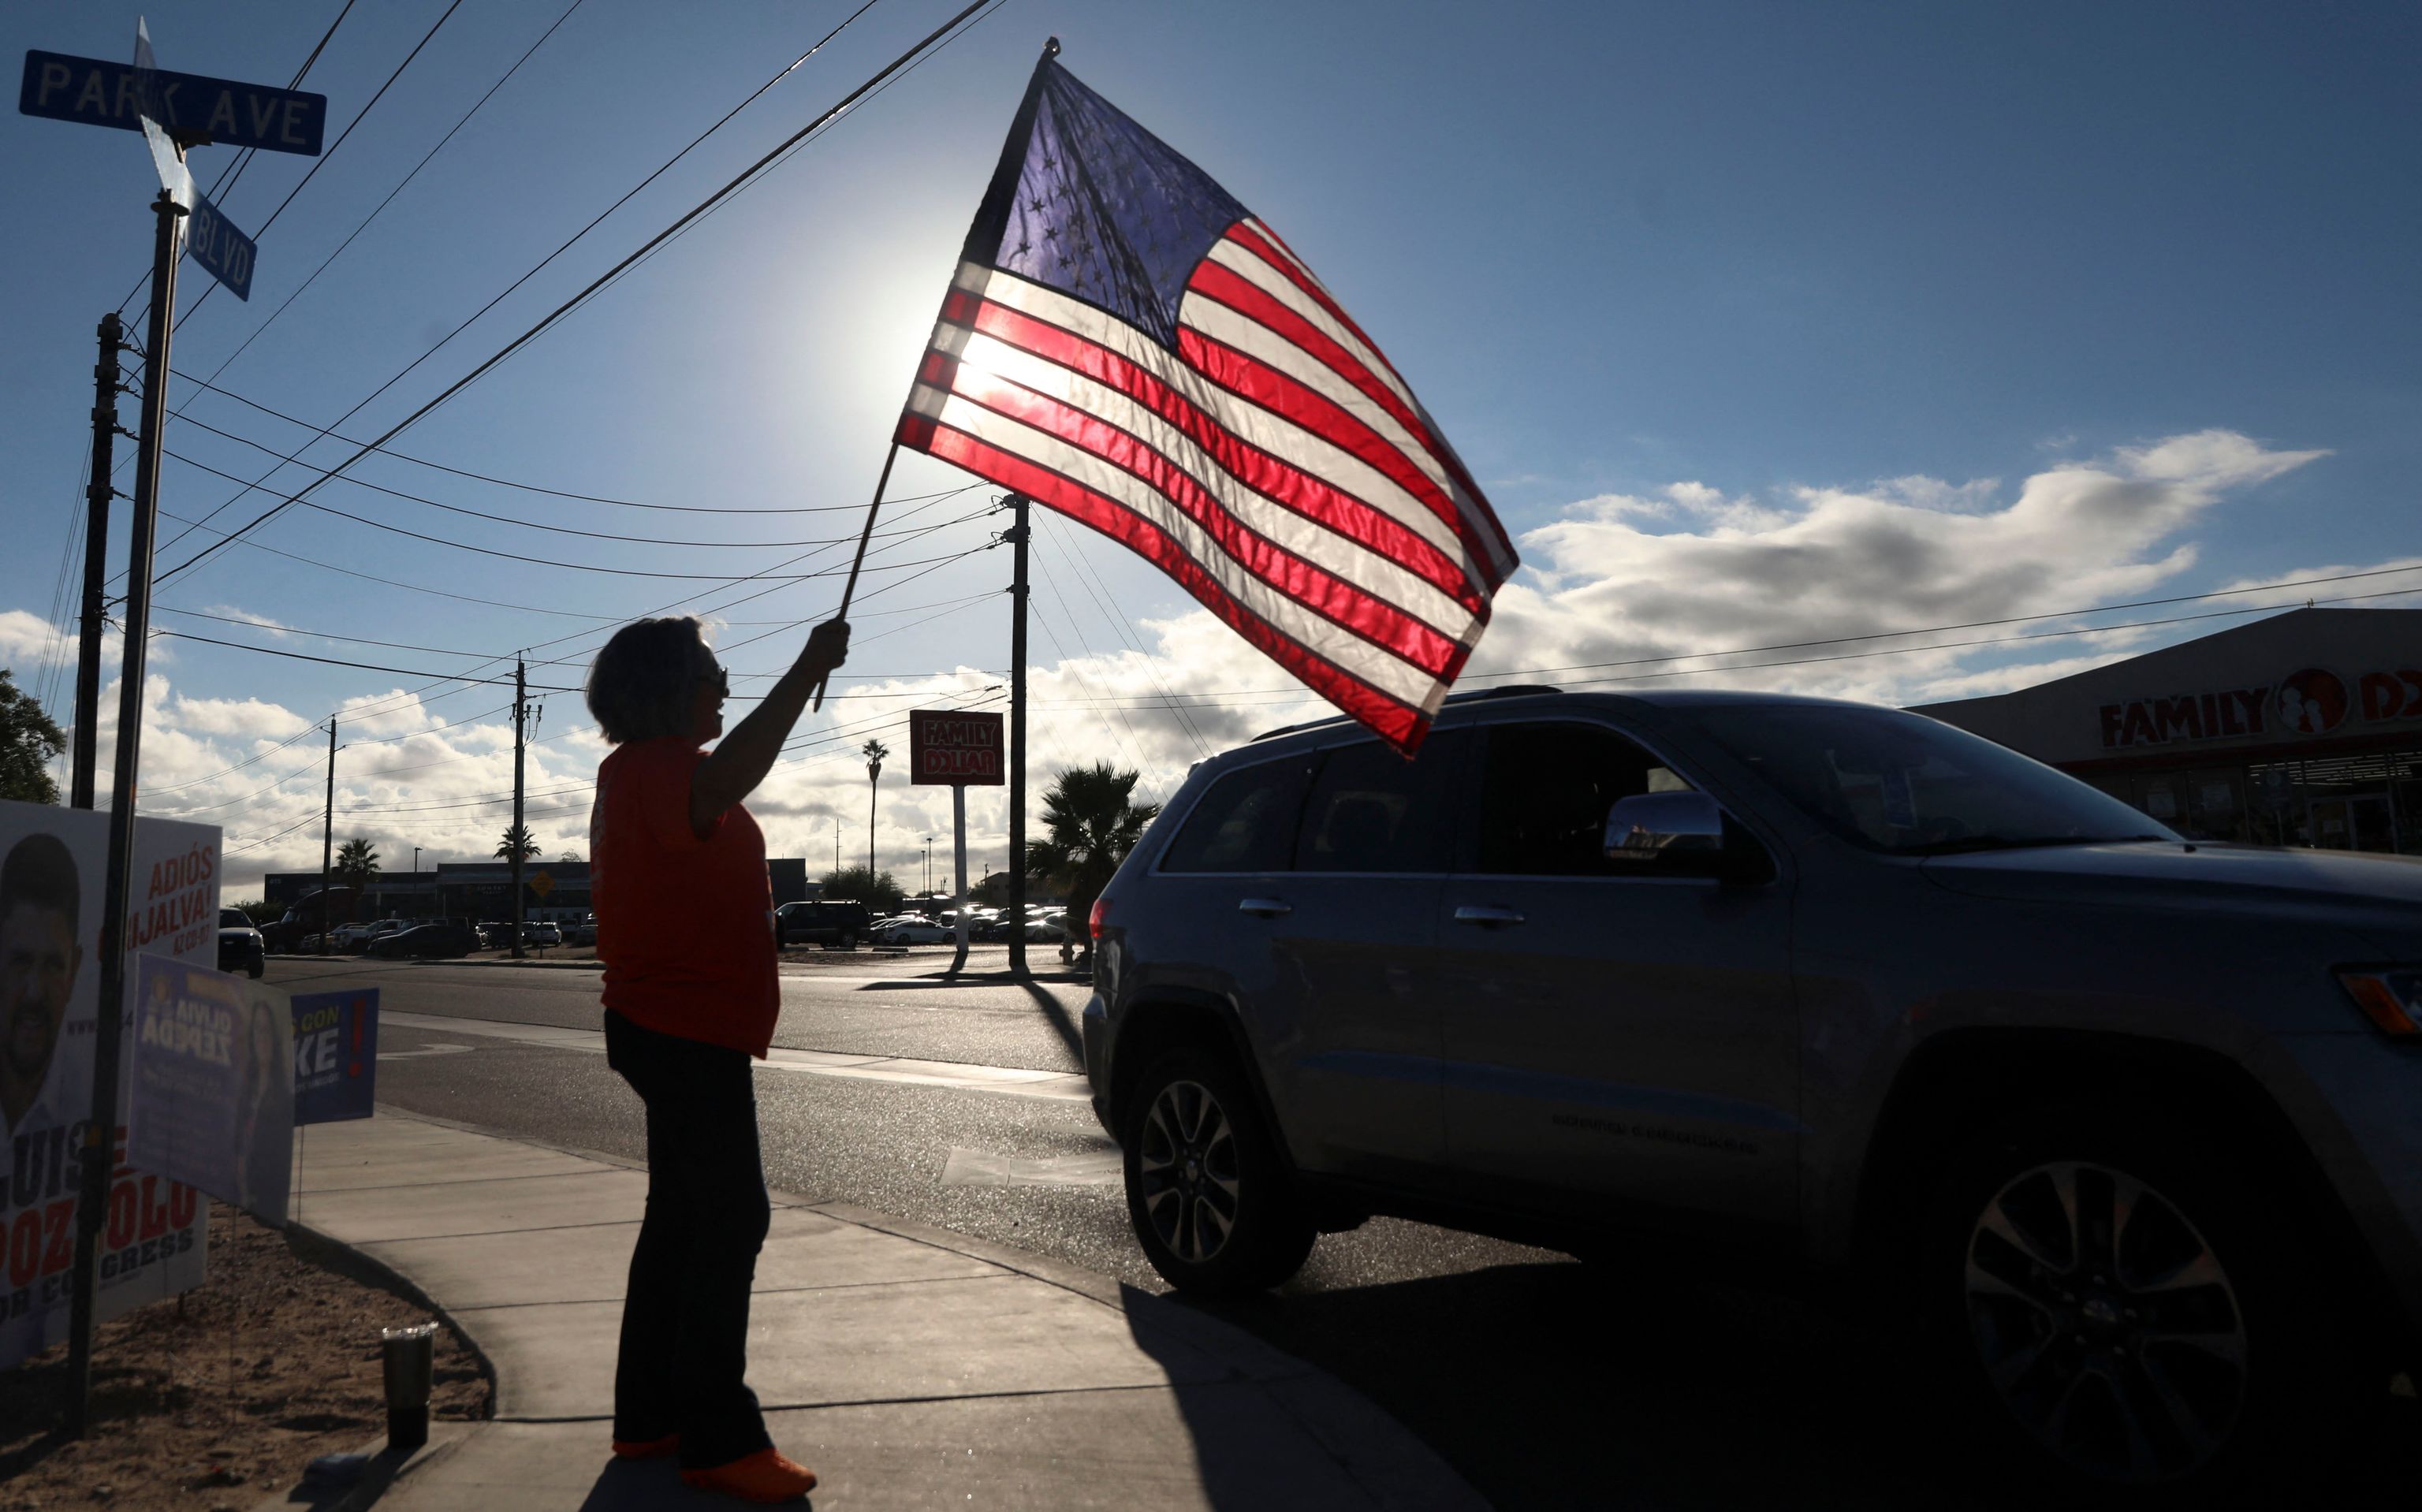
<point x="1545" y="1382"/>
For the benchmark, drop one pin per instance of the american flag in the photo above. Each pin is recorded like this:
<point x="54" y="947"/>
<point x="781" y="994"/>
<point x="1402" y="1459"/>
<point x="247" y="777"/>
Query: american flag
<point x="1125" y="343"/>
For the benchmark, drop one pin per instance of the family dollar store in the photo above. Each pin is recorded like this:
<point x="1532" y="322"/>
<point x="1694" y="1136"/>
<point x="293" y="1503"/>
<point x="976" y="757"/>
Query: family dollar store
<point x="2303" y="729"/>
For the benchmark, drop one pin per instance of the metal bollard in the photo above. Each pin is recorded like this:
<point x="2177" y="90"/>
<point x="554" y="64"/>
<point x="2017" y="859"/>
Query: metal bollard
<point x="410" y="1357"/>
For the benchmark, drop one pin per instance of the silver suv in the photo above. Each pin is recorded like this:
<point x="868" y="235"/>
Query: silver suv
<point x="2127" y="1128"/>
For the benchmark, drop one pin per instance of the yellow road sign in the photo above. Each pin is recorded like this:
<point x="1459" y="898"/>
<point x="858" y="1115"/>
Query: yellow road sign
<point x="541" y="883"/>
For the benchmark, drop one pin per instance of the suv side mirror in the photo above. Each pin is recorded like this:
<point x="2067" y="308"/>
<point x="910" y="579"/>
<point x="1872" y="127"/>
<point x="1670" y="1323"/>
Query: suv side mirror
<point x="1649" y="827"/>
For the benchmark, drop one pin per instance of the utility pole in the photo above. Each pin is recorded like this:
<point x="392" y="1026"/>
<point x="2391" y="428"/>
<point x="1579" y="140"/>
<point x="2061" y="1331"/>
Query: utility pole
<point x="328" y="842"/>
<point x="98" y="1156"/>
<point x="513" y="840"/>
<point x="1017" y="536"/>
<point x="105" y="390"/>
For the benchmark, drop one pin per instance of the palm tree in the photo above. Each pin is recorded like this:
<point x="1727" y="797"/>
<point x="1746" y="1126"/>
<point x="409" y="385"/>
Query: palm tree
<point x="875" y="752"/>
<point x="517" y="838"/>
<point x="357" y="861"/>
<point x="1092" y="827"/>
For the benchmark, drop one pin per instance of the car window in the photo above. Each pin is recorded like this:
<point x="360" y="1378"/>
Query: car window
<point x="1373" y="811"/>
<point x="1907" y="785"/>
<point x="1245" y="823"/>
<point x="1544" y="792"/>
<point x="234" y="919"/>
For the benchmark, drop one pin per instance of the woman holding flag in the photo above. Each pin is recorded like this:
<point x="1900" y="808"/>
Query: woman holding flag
<point x="685" y="926"/>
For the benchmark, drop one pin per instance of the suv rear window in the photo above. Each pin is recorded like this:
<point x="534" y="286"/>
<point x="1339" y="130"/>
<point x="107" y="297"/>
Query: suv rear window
<point x="1246" y="822"/>
<point x="1373" y="811"/>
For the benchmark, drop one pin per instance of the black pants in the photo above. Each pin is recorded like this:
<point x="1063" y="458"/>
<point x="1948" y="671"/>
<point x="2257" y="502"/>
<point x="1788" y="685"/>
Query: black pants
<point x="685" y="1315"/>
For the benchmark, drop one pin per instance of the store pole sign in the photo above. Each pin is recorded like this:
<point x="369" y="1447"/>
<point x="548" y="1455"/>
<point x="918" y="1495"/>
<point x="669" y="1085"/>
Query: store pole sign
<point x="950" y="749"/>
<point x="2314" y="702"/>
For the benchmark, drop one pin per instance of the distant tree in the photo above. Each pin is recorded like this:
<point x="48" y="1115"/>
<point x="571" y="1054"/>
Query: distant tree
<point x="260" y="912"/>
<point x="569" y="858"/>
<point x="1091" y="826"/>
<point x="877" y="890"/>
<point x="356" y="862"/>
<point x="30" y="741"/>
<point x="517" y="837"/>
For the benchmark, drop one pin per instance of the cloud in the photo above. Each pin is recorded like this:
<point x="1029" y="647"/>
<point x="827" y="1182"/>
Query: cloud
<point x="1657" y="578"/>
<point x="1833" y="561"/>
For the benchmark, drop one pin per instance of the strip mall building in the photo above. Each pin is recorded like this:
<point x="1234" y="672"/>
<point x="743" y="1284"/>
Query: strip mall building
<point x="2305" y="729"/>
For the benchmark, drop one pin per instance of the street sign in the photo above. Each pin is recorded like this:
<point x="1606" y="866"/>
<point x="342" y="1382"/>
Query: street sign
<point x="541" y="883"/>
<point x="956" y="750"/>
<point x="98" y="92"/>
<point x="224" y="252"/>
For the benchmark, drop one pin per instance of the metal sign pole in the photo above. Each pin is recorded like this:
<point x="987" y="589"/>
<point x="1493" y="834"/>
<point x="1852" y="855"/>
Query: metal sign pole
<point x="959" y="851"/>
<point x="101" y="1132"/>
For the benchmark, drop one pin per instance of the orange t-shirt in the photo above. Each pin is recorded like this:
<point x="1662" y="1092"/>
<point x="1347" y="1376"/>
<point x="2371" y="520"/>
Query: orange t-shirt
<point x="685" y="925"/>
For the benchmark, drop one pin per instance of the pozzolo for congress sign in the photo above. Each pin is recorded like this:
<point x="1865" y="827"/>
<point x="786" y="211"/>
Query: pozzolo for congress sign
<point x="154" y="1235"/>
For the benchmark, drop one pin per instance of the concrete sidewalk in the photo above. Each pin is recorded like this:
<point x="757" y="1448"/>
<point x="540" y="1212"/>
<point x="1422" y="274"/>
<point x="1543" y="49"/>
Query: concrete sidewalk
<point x="910" y="1367"/>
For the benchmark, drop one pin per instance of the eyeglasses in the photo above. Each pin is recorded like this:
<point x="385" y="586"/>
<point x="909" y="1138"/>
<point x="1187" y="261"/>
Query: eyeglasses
<point x="718" y="678"/>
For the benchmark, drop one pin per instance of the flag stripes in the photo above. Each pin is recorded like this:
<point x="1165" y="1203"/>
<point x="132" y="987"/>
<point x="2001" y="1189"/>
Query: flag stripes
<point x="1125" y="343"/>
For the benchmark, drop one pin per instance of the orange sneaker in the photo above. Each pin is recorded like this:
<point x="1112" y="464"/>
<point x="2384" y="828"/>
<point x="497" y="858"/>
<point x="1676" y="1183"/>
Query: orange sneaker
<point x="763" y="1476"/>
<point x="647" y="1448"/>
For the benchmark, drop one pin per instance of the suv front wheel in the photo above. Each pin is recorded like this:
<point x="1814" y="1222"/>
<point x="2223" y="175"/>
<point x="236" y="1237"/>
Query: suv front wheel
<point x="1208" y="1190"/>
<point x="2139" y="1318"/>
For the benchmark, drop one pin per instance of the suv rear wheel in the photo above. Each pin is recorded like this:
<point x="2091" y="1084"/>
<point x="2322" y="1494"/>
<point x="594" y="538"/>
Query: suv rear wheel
<point x="1208" y="1191"/>
<point x="2134" y="1317"/>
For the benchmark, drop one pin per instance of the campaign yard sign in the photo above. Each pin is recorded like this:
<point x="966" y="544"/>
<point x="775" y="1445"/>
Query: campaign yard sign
<point x="213" y="1084"/>
<point x="155" y="1235"/>
<point x="336" y="1055"/>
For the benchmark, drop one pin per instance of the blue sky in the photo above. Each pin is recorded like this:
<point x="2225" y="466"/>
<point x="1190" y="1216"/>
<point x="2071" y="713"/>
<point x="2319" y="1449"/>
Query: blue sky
<point x="1732" y="302"/>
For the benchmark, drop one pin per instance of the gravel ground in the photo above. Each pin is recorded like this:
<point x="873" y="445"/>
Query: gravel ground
<point x="210" y="1399"/>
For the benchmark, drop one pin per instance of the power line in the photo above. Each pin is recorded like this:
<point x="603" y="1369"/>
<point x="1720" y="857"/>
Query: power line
<point x="322" y="160"/>
<point x="463" y="120"/>
<point x="482" y="514"/>
<point x="560" y="309"/>
<point x="366" y="667"/>
<point x="535" y="488"/>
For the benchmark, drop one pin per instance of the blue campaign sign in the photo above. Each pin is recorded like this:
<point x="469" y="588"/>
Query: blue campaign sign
<point x="336" y="1055"/>
<point x="213" y="1100"/>
<point x="224" y="252"/>
<point x="98" y="92"/>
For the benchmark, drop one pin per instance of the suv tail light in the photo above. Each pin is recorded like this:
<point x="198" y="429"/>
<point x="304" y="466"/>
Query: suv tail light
<point x="2390" y="996"/>
<point x="1093" y="919"/>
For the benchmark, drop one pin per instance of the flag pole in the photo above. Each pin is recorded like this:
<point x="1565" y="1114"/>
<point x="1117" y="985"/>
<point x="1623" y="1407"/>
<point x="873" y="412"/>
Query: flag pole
<point x="849" y="589"/>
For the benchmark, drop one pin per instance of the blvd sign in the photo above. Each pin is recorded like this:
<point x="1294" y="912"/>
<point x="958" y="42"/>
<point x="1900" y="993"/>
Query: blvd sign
<point x="957" y="750"/>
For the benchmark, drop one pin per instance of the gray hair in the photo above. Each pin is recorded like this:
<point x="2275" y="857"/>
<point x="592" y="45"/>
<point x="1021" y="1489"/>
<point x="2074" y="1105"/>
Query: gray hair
<point x="640" y="685"/>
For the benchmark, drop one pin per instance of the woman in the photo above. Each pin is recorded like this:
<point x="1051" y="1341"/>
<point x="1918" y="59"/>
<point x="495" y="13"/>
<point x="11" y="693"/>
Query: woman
<point x="685" y="926"/>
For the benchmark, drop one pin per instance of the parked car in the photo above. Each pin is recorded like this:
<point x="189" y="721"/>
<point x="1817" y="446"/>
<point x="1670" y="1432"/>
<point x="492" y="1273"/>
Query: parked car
<point x="2125" y="1127"/>
<point x="582" y="931"/>
<point x="914" y="930"/>
<point x="836" y="925"/>
<point x="305" y="919"/>
<point x="445" y="938"/>
<point x="240" y="947"/>
<point x="496" y="933"/>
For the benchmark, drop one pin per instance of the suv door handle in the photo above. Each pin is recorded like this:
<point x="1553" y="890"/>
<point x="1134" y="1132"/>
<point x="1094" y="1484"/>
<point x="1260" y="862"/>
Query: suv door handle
<point x="1486" y="913"/>
<point x="1264" y="908"/>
